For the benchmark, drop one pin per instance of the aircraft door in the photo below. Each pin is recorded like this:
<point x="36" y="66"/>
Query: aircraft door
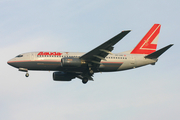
<point x="32" y="56"/>
<point x="133" y="60"/>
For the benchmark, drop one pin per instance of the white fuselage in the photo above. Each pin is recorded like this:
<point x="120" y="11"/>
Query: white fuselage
<point x="70" y="65"/>
<point x="52" y="62"/>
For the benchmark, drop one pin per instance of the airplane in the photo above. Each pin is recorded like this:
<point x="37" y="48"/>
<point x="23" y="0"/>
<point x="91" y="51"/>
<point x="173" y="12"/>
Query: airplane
<point x="70" y="65"/>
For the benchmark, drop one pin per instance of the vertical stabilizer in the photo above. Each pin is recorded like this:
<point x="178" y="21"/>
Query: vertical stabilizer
<point x="148" y="44"/>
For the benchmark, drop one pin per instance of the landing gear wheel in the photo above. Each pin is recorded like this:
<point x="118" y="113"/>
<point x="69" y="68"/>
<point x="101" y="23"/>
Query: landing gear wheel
<point x="27" y="74"/>
<point x="84" y="80"/>
<point x="91" y="72"/>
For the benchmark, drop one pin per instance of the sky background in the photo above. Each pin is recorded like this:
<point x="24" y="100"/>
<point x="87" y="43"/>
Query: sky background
<point x="147" y="93"/>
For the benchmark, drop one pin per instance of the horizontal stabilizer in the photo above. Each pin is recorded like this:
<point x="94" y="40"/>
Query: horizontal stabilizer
<point x="157" y="53"/>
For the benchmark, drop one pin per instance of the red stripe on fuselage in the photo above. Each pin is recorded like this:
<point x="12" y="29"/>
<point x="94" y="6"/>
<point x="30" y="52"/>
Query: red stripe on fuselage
<point x="52" y="61"/>
<point x="34" y="61"/>
<point x="113" y="62"/>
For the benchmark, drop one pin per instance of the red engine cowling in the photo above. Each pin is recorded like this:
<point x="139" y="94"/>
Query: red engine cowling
<point x="61" y="76"/>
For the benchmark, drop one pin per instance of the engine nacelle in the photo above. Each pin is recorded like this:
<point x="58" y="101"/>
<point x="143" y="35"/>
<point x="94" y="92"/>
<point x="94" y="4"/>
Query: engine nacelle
<point x="61" y="76"/>
<point x="71" y="62"/>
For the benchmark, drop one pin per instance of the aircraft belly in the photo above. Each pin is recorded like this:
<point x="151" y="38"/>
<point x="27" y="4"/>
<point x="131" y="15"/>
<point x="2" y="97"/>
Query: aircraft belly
<point x="34" y="65"/>
<point x="112" y="66"/>
<point x="47" y="66"/>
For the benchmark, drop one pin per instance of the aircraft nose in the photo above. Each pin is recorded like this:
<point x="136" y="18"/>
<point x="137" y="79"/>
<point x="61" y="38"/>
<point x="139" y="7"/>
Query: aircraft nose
<point x="10" y="62"/>
<point x="13" y="62"/>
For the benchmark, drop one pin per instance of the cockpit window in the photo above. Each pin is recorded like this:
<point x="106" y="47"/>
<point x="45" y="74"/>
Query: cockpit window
<point x="19" y="56"/>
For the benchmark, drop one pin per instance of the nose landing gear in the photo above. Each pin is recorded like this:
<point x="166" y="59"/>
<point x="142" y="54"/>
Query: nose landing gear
<point x="24" y="70"/>
<point x="27" y="74"/>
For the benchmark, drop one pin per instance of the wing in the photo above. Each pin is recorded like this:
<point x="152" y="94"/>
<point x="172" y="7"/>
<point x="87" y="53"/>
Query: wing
<point x="99" y="53"/>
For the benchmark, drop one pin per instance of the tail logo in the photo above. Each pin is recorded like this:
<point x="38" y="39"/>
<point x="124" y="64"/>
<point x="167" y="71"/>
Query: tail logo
<point x="148" y="44"/>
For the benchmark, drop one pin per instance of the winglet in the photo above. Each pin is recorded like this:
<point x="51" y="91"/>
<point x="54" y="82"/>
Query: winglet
<point x="157" y="53"/>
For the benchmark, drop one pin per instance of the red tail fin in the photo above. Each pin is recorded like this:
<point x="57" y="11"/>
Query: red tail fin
<point x="148" y="44"/>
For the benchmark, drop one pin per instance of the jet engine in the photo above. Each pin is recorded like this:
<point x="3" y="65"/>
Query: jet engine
<point x="61" y="76"/>
<point x="71" y="62"/>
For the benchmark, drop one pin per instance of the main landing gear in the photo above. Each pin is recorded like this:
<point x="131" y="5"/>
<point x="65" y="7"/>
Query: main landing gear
<point x="84" y="80"/>
<point x="87" y="75"/>
<point x="91" y="72"/>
